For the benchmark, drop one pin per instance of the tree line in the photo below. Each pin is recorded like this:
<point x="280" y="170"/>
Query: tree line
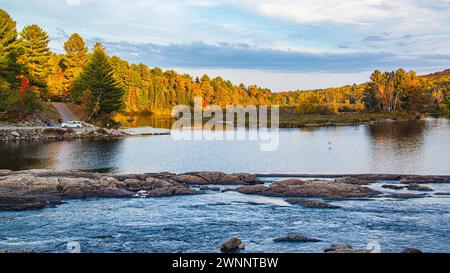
<point x="104" y="84"/>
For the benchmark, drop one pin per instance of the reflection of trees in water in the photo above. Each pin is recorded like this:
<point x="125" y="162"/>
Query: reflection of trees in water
<point x="100" y="155"/>
<point x="23" y="155"/>
<point x="402" y="137"/>
<point x="134" y="121"/>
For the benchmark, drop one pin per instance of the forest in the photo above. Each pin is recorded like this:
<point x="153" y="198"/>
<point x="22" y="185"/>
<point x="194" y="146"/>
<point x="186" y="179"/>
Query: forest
<point x="104" y="85"/>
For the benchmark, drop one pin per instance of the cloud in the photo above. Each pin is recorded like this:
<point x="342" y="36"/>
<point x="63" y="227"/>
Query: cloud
<point x="245" y="56"/>
<point x="73" y="2"/>
<point x="358" y="12"/>
<point x="374" y="38"/>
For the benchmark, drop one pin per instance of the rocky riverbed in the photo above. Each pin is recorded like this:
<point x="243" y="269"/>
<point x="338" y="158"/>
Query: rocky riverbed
<point x="35" y="189"/>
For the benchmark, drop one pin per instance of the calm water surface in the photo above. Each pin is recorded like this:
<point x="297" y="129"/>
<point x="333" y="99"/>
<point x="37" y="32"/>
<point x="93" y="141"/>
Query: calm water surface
<point x="417" y="147"/>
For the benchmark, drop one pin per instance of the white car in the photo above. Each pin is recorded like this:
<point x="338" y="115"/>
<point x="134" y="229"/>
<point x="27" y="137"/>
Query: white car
<point x="71" y="124"/>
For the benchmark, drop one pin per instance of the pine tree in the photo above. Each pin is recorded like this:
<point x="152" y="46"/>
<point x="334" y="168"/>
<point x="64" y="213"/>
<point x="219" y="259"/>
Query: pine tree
<point x="34" y="41"/>
<point x="98" y="78"/>
<point x="74" y="61"/>
<point x="8" y="34"/>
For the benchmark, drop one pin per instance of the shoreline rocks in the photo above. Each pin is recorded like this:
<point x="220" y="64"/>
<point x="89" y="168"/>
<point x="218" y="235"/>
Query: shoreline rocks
<point x="28" y="134"/>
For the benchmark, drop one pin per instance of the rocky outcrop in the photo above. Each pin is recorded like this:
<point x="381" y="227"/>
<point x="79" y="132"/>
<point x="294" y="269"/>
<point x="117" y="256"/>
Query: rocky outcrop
<point x="296" y="238"/>
<point x="311" y="203"/>
<point x="35" y="189"/>
<point x="417" y="187"/>
<point x="217" y="178"/>
<point x="8" y="134"/>
<point x="233" y="245"/>
<point x="313" y="188"/>
<point x="344" y="248"/>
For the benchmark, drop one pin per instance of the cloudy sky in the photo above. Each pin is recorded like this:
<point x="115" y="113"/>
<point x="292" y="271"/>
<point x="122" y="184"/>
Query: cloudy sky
<point x="280" y="44"/>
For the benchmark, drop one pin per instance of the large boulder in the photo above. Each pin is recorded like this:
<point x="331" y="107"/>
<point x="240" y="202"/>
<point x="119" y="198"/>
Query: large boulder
<point x="233" y="245"/>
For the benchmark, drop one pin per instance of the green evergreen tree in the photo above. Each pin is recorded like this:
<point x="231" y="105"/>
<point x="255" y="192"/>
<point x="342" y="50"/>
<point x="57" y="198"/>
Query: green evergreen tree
<point x="34" y="41"/>
<point x="74" y="61"/>
<point x="8" y="34"/>
<point x="98" y="78"/>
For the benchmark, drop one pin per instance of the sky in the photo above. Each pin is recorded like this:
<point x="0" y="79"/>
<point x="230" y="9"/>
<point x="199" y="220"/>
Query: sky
<point x="279" y="44"/>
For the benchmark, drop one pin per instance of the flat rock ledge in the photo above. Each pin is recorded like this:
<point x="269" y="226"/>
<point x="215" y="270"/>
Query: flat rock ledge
<point x="36" y="189"/>
<point x="333" y="190"/>
<point x="30" y="134"/>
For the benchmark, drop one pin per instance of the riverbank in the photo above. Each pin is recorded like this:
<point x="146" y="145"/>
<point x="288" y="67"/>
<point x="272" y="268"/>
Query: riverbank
<point x="36" y="189"/>
<point x="290" y="119"/>
<point x="33" y="133"/>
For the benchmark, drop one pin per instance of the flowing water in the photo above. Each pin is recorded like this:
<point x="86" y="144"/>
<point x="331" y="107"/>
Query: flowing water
<point x="201" y="223"/>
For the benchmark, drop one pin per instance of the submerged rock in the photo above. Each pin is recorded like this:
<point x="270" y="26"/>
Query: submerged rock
<point x="313" y="188"/>
<point x="417" y="187"/>
<point x="407" y="195"/>
<point x="233" y="245"/>
<point x="411" y="250"/>
<point x="311" y="203"/>
<point x="296" y="238"/>
<point x="344" y="248"/>
<point x="442" y="193"/>
<point x="393" y="187"/>
<point x="207" y="188"/>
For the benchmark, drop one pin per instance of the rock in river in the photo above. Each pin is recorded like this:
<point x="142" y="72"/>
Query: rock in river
<point x="296" y="238"/>
<point x="344" y="248"/>
<point x="411" y="250"/>
<point x="311" y="203"/>
<point x="234" y="245"/>
<point x="407" y="195"/>
<point x="313" y="188"/>
<point x="393" y="187"/>
<point x="417" y="187"/>
<point x="217" y="178"/>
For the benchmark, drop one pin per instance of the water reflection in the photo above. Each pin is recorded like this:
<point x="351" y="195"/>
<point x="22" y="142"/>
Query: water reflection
<point x="410" y="147"/>
<point x="133" y="121"/>
<point x="94" y="154"/>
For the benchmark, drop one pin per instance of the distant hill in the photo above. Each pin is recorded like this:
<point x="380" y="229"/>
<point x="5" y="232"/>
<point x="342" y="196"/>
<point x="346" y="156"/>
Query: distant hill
<point x="438" y="74"/>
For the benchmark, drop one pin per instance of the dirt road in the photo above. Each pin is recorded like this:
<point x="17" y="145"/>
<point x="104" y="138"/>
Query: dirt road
<point x="64" y="111"/>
